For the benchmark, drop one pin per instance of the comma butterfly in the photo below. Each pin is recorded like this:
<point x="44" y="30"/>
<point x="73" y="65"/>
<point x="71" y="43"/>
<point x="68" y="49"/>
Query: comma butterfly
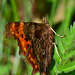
<point x="35" y="41"/>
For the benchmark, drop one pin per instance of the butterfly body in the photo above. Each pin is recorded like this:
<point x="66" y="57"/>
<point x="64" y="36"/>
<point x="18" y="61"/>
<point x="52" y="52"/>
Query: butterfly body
<point x="35" y="41"/>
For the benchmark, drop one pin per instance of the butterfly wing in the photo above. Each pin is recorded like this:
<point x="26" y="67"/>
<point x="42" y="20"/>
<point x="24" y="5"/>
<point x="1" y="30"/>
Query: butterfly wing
<point x="35" y="42"/>
<point x="19" y="31"/>
<point x="41" y="38"/>
<point x="15" y="30"/>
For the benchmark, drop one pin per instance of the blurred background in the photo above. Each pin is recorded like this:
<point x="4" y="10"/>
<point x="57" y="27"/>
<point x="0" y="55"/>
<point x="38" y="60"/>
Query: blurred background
<point x="57" y="12"/>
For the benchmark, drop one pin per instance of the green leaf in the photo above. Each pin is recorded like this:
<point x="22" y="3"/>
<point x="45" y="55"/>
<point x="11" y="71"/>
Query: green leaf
<point x="14" y="10"/>
<point x="53" y="9"/>
<point x="66" y="51"/>
<point x="2" y="25"/>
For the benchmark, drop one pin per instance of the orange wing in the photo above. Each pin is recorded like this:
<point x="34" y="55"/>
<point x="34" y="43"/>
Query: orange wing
<point x="15" y="30"/>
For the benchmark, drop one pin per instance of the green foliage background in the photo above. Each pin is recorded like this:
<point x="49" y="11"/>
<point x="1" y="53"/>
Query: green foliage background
<point x="22" y="10"/>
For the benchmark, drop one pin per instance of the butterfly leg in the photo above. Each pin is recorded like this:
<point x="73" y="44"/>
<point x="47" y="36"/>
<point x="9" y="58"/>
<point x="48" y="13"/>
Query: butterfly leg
<point x="56" y="33"/>
<point x="57" y="51"/>
<point x="45" y="21"/>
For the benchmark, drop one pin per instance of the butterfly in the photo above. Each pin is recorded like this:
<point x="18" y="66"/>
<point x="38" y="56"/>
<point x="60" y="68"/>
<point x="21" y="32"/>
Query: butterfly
<point x="35" y="41"/>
